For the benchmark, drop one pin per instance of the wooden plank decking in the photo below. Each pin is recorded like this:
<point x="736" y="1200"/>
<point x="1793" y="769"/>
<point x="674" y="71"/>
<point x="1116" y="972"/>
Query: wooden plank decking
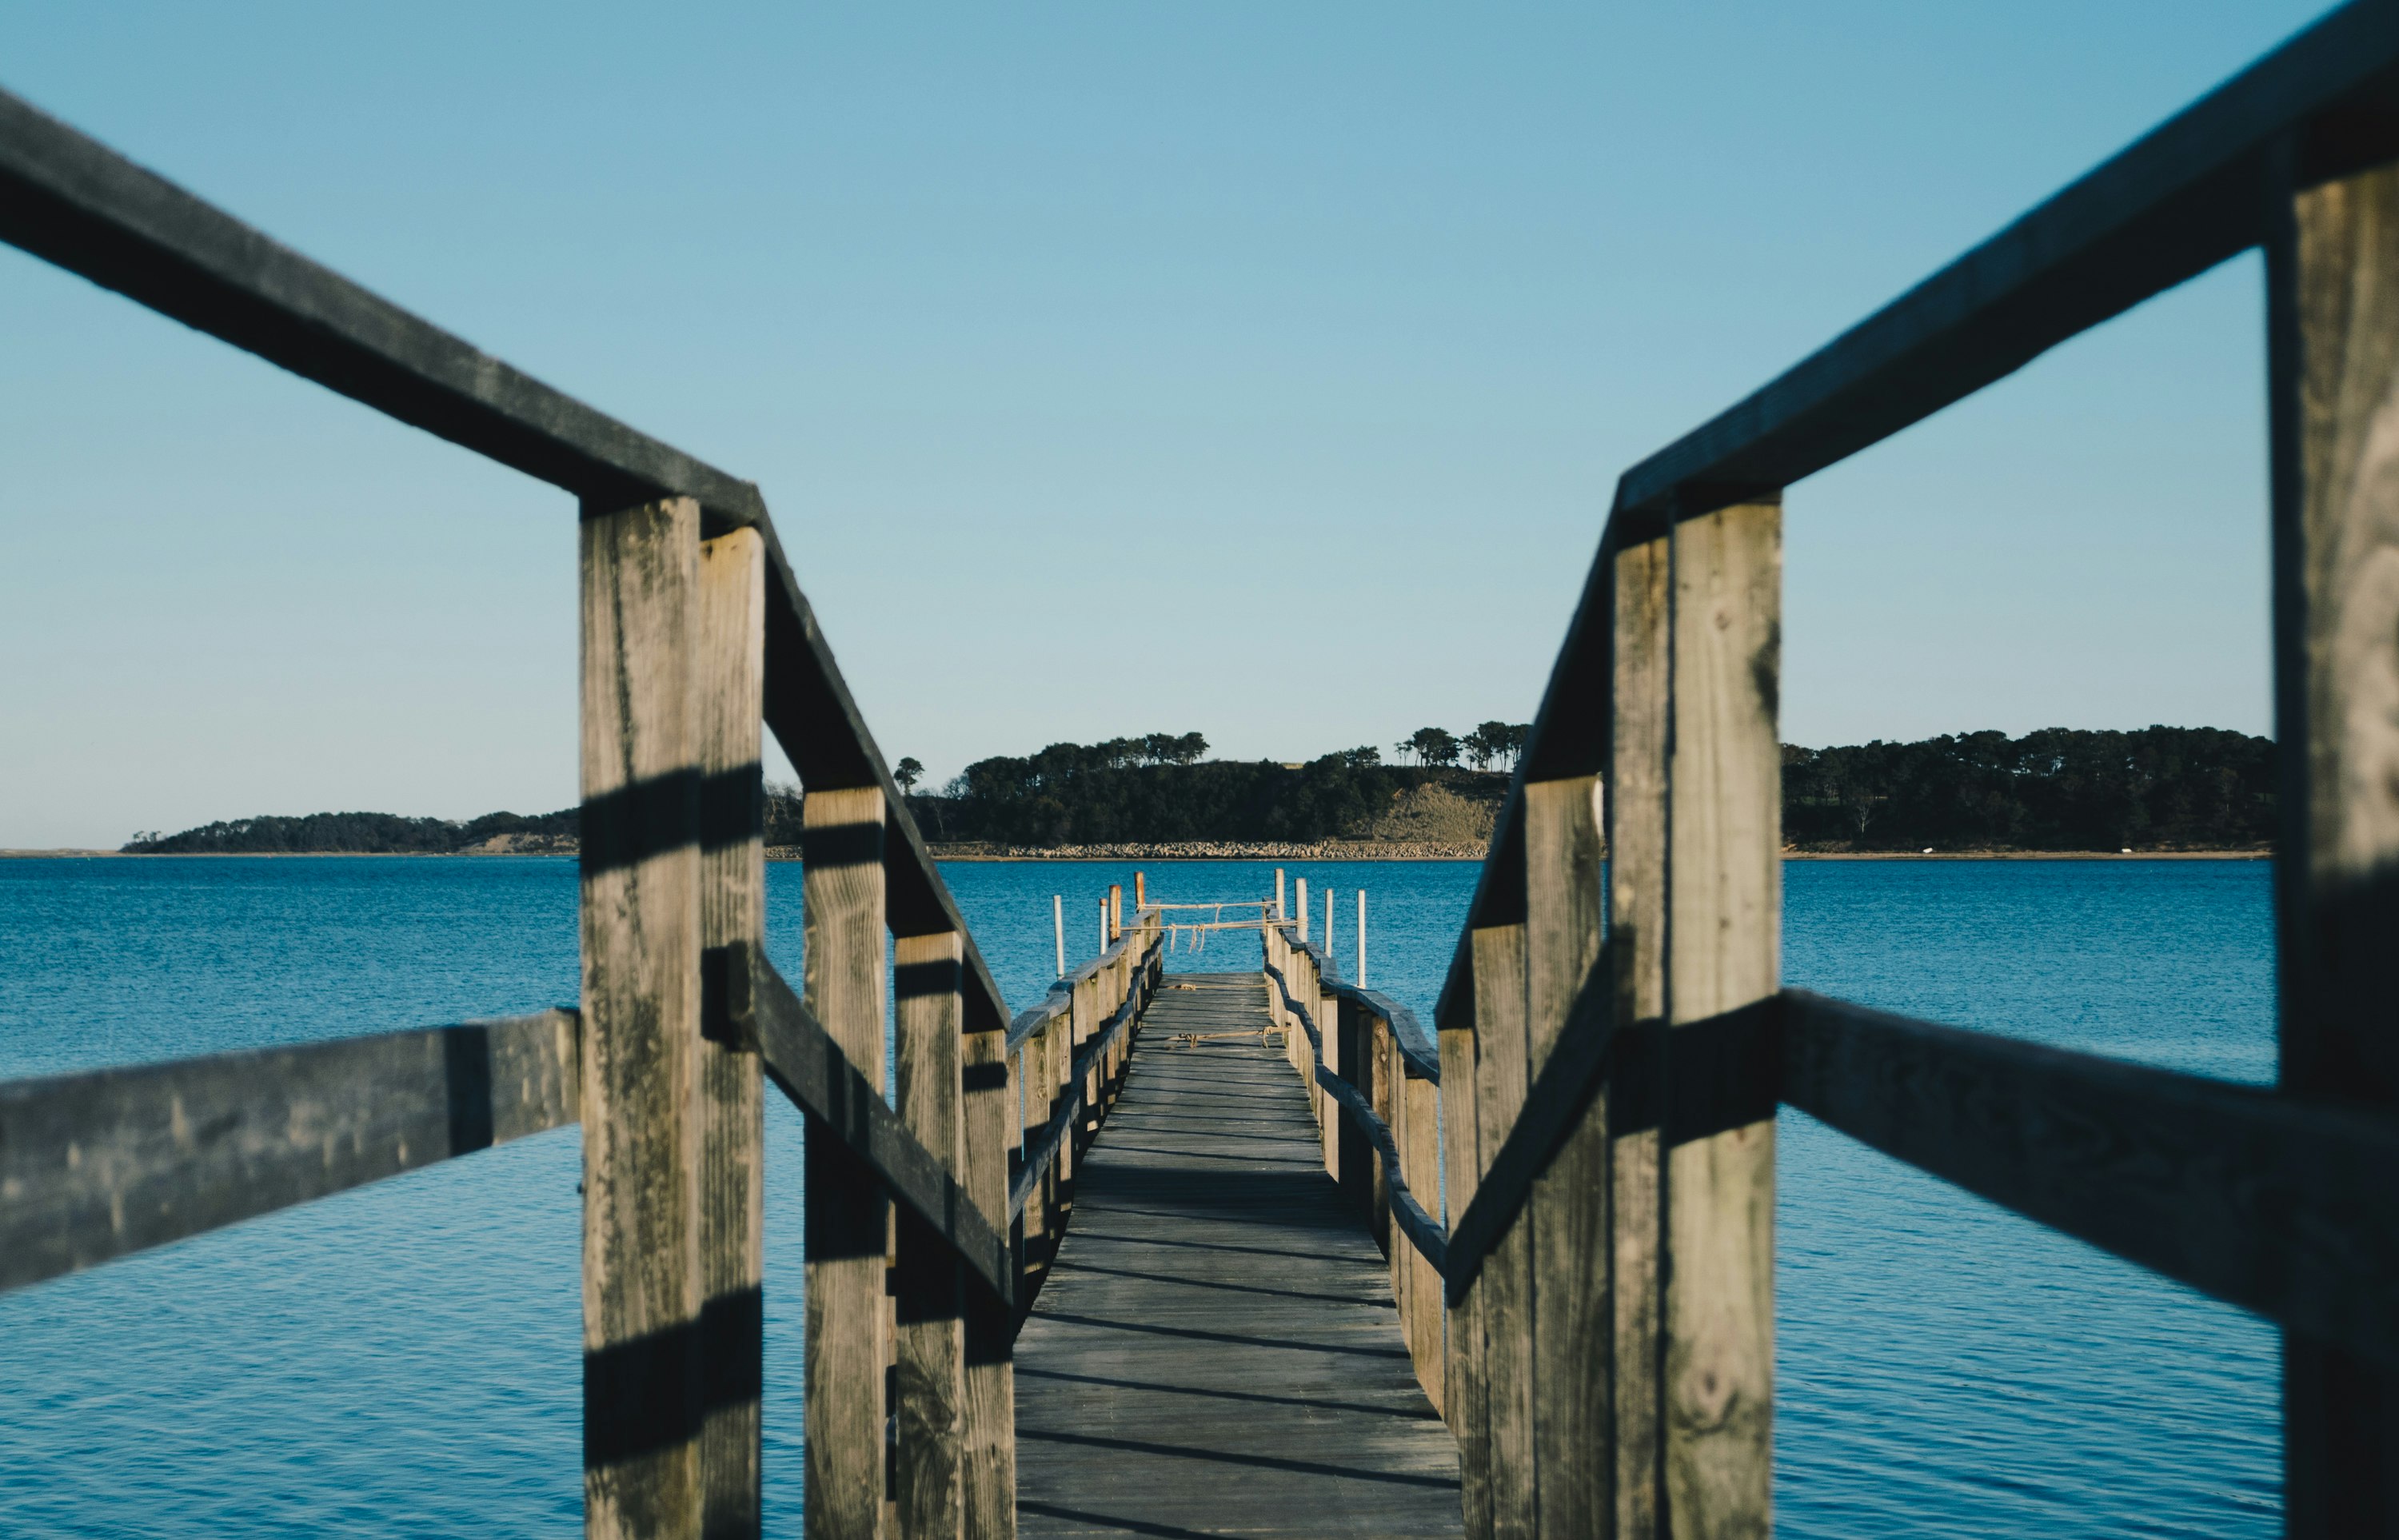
<point x="1216" y="1351"/>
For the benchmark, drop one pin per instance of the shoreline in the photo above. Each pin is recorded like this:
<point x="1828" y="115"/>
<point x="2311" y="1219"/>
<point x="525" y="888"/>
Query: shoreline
<point x="1094" y="854"/>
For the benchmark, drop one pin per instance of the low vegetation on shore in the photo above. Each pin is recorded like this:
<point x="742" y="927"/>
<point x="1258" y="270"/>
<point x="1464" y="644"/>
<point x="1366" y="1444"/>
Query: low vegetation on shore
<point x="2159" y="789"/>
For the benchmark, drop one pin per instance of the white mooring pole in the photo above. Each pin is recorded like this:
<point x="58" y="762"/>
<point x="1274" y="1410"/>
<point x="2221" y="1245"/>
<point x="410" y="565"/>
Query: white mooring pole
<point x="1361" y="938"/>
<point x="1300" y="893"/>
<point x="1329" y="942"/>
<point x="1278" y="908"/>
<point x="1103" y="922"/>
<point x="1058" y="925"/>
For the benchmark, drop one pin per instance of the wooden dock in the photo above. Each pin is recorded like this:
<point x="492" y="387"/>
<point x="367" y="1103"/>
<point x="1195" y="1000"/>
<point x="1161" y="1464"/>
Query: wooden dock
<point x="1216" y="1350"/>
<point x="1572" y="1185"/>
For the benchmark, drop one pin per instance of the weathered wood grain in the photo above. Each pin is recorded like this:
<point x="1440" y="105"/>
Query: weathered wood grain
<point x="1566" y="1211"/>
<point x="640" y="909"/>
<point x="99" y="1164"/>
<point x="849" y="1318"/>
<point x="1217" y="1352"/>
<point x="2333" y="290"/>
<point x="1461" y="1169"/>
<point x="1639" y="607"/>
<point x="1423" y="1232"/>
<point x="2286" y="1205"/>
<point x="989" y="1113"/>
<point x="805" y="1063"/>
<point x="726" y="691"/>
<point x="1723" y="923"/>
<point x="1417" y="1048"/>
<point x="1421" y="1163"/>
<point x="929" y="1287"/>
<point x="1504" y="1375"/>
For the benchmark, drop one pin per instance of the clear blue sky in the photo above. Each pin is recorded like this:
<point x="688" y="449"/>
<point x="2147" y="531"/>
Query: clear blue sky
<point x="1258" y="370"/>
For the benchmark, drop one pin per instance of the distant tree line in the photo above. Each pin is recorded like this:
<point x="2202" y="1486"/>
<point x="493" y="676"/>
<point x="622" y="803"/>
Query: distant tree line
<point x="1158" y="790"/>
<point x="2059" y="789"/>
<point x="2158" y="787"/>
<point x="352" y="834"/>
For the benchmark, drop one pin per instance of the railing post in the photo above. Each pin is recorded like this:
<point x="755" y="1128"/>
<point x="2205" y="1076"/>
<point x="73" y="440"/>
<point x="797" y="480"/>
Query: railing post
<point x="1373" y="1034"/>
<point x="2333" y="360"/>
<point x="640" y="938"/>
<point x="1504" y="1289"/>
<point x="729" y="690"/>
<point x="1348" y="1028"/>
<point x="1573" y="1336"/>
<point x="1724" y="893"/>
<point x="928" y="1283"/>
<point x="1058" y="1038"/>
<point x="1468" y="1123"/>
<point x="1420" y="1163"/>
<point x="1635" y="810"/>
<point x="1084" y="1015"/>
<point x="1030" y="1099"/>
<point x="991" y="1135"/>
<point x="848" y="1315"/>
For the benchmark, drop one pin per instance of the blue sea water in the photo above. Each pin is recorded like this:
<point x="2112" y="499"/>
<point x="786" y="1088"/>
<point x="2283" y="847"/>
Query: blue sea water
<point x="402" y="1361"/>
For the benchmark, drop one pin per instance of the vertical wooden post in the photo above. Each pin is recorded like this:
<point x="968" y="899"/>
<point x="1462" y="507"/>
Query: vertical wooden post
<point x="1278" y="911"/>
<point x="929" y="1300"/>
<point x="1116" y="916"/>
<point x="2332" y="296"/>
<point x="1373" y="1034"/>
<point x="1505" y="1287"/>
<point x="848" y="1317"/>
<point x="1084" y="1012"/>
<point x="1350" y="1029"/>
<point x="1329" y="942"/>
<point x="1573" y="1335"/>
<point x="1299" y="903"/>
<point x="640" y="922"/>
<point x="1361" y="938"/>
<point x="992" y="1134"/>
<point x="1140" y="893"/>
<point x="1058" y="923"/>
<point x="1636" y="889"/>
<point x="1724" y="892"/>
<point x="1421" y="1160"/>
<point x="1033" y="1110"/>
<point x="728" y="696"/>
<point x="1059" y="1039"/>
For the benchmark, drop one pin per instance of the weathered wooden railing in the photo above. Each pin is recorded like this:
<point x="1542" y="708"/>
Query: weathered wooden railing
<point x="695" y="632"/>
<point x="1374" y="1085"/>
<point x="1612" y="1077"/>
<point x="1068" y="1053"/>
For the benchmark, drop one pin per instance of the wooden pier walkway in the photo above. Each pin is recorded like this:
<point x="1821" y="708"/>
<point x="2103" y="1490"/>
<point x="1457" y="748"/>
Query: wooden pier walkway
<point x="1572" y="1178"/>
<point x="1216" y="1350"/>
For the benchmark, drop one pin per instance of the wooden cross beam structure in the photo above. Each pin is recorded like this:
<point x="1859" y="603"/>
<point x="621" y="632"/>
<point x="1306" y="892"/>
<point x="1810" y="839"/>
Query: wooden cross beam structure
<point x="1573" y="1183"/>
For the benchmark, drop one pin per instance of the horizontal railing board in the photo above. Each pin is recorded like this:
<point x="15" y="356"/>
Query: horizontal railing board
<point x="1553" y="1107"/>
<point x="1034" y="1158"/>
<point x="2184" y="197"/>
<point x="1417" y="1050"/>
<point x="2287" y="1208"/>
<point x="809" y="1067"/>
<point x="98" y="1164"/>
<point x="73" y="201"/>
<point x="1060" y="996"/>
<point x="1060" y="1000"/>
<point x="1423" y="1231"/>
